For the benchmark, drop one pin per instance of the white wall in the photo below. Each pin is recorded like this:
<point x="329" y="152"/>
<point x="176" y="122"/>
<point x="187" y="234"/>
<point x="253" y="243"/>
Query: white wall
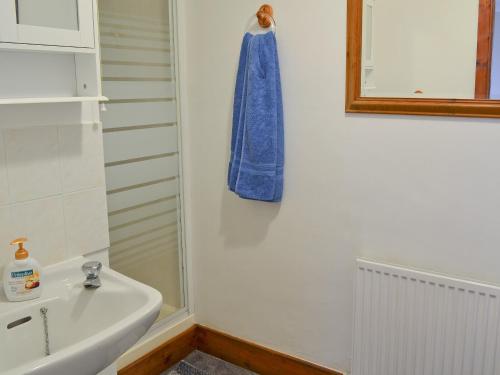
<point x="417" y="191"/>
<point x="52" y="181"/>
<point x="425" y="45"/>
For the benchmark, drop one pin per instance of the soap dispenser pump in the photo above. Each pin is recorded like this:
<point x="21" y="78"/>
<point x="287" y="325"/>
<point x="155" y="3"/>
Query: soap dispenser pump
<point x="22" y="278"/>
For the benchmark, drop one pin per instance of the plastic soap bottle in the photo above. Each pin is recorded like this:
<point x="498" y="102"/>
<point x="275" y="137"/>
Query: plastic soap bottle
<point x="22" y="278"/>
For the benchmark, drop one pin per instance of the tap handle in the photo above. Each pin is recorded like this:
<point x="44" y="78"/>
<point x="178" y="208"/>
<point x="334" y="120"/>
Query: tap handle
<point x="92" y="269"/>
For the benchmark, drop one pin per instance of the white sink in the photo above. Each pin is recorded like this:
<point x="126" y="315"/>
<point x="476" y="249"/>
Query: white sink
<point x="88" y="328"/>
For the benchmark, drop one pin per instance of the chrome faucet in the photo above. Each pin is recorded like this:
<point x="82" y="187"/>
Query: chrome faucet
<point x="91" y="271"/>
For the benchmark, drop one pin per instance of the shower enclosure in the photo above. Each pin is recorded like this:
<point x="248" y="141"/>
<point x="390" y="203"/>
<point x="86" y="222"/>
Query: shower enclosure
<point x="141" y="147"/>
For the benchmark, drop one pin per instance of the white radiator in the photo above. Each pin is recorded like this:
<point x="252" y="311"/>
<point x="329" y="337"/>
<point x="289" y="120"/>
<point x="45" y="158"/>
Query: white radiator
<point x="416" y="323"/>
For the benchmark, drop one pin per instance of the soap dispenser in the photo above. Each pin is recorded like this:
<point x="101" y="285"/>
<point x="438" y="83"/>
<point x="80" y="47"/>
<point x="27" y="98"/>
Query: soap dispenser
<point x="22" y="278"/>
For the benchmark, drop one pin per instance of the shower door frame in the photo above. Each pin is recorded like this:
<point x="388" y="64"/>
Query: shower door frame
<point x="184" y="256"/>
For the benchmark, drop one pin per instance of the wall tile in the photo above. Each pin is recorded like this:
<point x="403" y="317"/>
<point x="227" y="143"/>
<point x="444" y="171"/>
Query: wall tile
<point x="4" y="190"/>
<point x="42" y="221"/>
<point x="86" y="221"/>
<point x="6" y="235"/>
<point x="32" y="163"/>
<point x="81" y="157"/>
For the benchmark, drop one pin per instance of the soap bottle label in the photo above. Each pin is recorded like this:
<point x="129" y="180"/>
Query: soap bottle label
<point x="22" y="282"/>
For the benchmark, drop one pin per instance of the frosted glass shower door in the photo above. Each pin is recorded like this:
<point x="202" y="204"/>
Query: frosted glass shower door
<point x="141" y="145"/>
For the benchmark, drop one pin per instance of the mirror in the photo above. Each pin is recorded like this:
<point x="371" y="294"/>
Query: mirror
<point x="424" y="57"/>
<point x="59" y="14"/>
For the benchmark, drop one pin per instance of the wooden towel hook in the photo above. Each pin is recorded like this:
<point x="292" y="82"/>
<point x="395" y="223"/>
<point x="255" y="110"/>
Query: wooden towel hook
<point x="265" y="16"/>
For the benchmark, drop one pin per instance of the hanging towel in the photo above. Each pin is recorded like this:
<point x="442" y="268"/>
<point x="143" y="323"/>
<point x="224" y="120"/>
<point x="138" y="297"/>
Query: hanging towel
<point x="238" y="113"/>
<point x="258" y="155"/>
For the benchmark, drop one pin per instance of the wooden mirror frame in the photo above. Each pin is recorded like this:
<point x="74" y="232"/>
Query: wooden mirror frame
<point x="479" y="107"/>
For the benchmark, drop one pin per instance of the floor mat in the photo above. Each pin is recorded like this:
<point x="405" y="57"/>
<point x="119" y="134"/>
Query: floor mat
<point x="199" y="363"/>
<point x="184" y="368"/>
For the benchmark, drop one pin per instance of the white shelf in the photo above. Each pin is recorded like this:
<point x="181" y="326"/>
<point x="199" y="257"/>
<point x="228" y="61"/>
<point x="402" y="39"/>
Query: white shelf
<point x="74" y="99"/>
<point x="20" y="47"/>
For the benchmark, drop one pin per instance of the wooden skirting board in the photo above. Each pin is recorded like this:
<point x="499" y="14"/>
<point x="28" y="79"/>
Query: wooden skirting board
<point x="164" y="356"/>
<point x="240" y="352"/>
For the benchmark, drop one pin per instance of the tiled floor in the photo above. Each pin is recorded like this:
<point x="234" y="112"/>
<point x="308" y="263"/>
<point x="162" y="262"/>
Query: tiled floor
<point x="199" y="363"/>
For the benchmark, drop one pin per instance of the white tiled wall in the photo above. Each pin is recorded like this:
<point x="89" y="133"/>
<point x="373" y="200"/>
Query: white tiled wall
<point x="52" y="190"/>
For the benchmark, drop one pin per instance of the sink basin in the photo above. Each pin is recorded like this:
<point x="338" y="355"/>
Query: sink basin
<point x="88" y="329"/>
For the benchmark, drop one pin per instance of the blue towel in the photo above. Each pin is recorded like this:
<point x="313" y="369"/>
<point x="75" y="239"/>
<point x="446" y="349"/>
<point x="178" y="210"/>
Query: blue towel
<point x="256" y="167"/>
<point x="238" y="113"/>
